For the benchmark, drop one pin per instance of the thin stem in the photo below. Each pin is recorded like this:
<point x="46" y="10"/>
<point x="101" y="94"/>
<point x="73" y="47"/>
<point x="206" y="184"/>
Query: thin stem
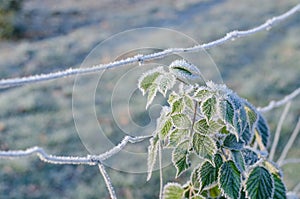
<point x="107" y="181"/>
<point x="278" y="130"/>
<point x="275" y="104"/>
<point x="289" y="144"/>
<point x="297" y="188"/>
<point x="4" y="83"/>
<point x="194" y="118"/>
<point x="161" y="182"/>
<point x="86" y="160"/>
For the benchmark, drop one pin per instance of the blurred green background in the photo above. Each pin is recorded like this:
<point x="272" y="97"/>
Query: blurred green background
<point x="39" y="36"/>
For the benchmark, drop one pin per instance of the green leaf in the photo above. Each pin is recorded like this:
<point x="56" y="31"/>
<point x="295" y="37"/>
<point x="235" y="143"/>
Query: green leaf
<point x="181" y="121"/>
<point x="177" y="106"/>
<point x="152" y="90"/>
<point x="204" y="146"/>
<point x="243" y="195"/>
<point x="195" y="177"/>
<point x="201" y="126"/>
<point x="148" y="79"/>
<point x="180" y="157"/>
<point x="214" y="192"/>
<point x="201" y="175"/>
<point x="250" y="156"/>
<point x="176" y="136"/>
<point x="247" y="135"/>
<point x="208" y="175"/>
<point x="166" y="128"/>
<point x="173" y="191"/>
<point x="218" y="161"/>
<point x="238" y="160"/>
<point x="280" y="190"/>
<point x="165" y="82"/>
<point x="260" y="184"/>
<point x="230" y="142"/>
<point x="263" y="132"/>
<point x="229" y="178"/>
<point x="208" y="107"/>
<point x="226" y="111"/>
<point x="152" y="153"/>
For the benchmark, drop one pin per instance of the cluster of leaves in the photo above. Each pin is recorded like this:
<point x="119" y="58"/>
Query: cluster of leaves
<point x="8" y="17"/>
<point x="214" y="124"/>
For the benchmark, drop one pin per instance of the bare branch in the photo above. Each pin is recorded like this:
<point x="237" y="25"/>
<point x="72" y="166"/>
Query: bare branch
<point x="275" y="104"/>
<point x="4" y="83"/>
<point x="290" y="161"/>
<point x="289" y="144"/>
<point x="87" y="160"/>
<point x="278" y="130"/>
<point x="107" y="181"/>
<point x="297" y="188"/>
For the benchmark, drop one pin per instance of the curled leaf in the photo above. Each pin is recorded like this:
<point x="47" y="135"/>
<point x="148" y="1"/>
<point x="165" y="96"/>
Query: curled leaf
<point x="184" y="70"/>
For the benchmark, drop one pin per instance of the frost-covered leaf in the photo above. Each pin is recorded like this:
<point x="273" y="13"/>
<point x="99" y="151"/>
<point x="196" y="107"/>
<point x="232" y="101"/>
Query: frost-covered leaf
<point x="152" y="153"/>
<point x="165" y="82"/>
<point x="188" y="101"/>
<point x="247" y="135"/>
<point x="176" y="136"/>
<point x="180" y="157"/>
<point x="195" y="177"/>
<point x="208" y="175"/>
<point x="238" y="160"/>
<point x="173" y="191"/>
<point x="218" y="161"/>
<point x="208" y="107"/>
<point x="152" y="90"/>
<point x="201" y="126"/>
<point x="148" y="79"/>
<point x="231" y="142"/>
<point x="240" y="116"/>
<point x="201" y="94"/>
<point x="177" y="106"/>
<point x="251" y="116"/>
<point x="215" y="126"/>
<point x="184" y="70"/>
<point x="172" y="97"/>
<point x="262" y="132"/>
<point x="226" y="111"/>
<point x="181" y="121"/>
<point x="165" y="129"/>
<point x="229" y="178"/>
<point x="280" y="190"/>
<point x="250" y="156"/>
<point x="204" y="146"/>
<point x="164" y="116"/>
<point x="259" y="184"/>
